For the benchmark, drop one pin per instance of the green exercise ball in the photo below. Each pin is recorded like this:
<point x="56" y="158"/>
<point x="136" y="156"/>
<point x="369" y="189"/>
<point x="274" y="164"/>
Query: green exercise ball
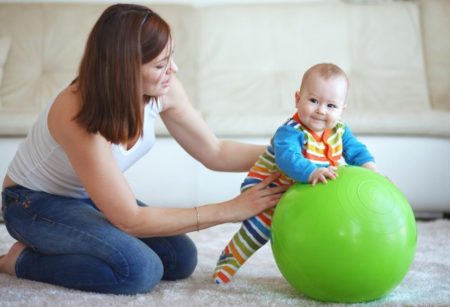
<point x="350" y="240"/>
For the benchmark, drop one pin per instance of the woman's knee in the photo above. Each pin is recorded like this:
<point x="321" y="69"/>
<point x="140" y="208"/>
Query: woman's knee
<point x="178" y="255"/>
<point x="143" y="276"/>
<point x="184" y="260"/>
<point x="145" y="271"/>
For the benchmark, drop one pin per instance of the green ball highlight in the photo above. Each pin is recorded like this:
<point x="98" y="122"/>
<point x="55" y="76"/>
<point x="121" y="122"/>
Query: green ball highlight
<point x="350" y="240"/>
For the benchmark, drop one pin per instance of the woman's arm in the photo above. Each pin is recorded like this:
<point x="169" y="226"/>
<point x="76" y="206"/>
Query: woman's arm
<point x="190" y="130"/>
<point x="92" y="160"/>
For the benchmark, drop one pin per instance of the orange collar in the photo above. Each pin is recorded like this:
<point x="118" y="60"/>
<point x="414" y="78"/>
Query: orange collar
<point x="325" y="135"/>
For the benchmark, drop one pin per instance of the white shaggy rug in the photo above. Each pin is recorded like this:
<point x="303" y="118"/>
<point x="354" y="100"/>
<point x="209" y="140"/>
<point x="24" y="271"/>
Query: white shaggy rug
<point x="259" y="283"/>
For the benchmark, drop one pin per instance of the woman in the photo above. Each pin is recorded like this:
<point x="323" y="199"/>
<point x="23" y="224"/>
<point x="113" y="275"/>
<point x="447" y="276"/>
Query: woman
<point x="65" y="199"/>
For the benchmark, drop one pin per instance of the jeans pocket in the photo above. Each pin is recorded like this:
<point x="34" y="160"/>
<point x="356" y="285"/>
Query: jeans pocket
<point x="9" y="198"/>
<point x="15" y="209"/>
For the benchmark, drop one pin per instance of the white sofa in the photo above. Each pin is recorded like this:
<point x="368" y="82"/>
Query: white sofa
<point x="241" y="64"/>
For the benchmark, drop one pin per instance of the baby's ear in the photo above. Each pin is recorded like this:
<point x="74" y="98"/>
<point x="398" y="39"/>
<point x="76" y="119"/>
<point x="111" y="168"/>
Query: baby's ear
<point x="344" y="107"/>
<point x="297" y="97"/>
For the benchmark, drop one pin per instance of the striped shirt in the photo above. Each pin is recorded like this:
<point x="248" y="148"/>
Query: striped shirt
<point x="296" y="151"/>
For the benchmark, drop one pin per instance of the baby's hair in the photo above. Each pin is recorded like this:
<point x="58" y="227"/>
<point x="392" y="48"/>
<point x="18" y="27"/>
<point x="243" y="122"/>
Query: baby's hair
<point x="326" y="71"/>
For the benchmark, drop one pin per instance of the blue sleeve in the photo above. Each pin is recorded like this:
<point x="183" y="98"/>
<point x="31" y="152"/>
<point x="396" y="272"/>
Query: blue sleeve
<point x="355" y="152"/>
<point x="287" y="144"/>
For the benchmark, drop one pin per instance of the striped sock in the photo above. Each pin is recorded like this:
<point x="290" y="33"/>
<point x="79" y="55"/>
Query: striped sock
<point x="253" y="234"/>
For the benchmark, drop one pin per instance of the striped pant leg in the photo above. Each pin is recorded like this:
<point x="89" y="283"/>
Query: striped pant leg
<point x="253" y="234"/>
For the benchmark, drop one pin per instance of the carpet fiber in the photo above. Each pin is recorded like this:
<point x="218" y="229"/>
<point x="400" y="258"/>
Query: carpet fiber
<point x="259" y="283"/>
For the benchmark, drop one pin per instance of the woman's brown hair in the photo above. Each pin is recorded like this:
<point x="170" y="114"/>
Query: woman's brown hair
<point x="109" y="78"/>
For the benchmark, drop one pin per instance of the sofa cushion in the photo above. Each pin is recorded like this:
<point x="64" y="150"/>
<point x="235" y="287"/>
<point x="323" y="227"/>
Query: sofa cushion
<point x="46" y="50"/>
<point x="242" y="63"/>
<point x="252" y="58"/>
<point x="4" y="48"/>
<point x="435" y="26"/>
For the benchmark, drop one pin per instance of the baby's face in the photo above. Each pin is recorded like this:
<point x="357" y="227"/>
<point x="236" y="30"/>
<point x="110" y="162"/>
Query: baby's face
<point x="320" y="102"/>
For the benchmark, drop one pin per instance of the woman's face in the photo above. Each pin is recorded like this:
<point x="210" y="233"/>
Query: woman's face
<point x="156" y="74"/>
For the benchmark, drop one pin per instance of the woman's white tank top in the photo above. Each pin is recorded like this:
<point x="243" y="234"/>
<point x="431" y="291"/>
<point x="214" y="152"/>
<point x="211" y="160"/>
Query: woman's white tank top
<point x="41" y="164"/>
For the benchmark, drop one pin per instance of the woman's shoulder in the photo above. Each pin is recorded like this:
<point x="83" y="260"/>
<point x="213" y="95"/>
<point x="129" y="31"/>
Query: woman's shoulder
<point x="61" y="117"/>
<point x="67" y="102"/>
<point x="175" y="97"/>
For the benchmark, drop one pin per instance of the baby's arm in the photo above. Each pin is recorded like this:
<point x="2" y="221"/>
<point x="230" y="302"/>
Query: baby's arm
<point x="288" y="144"/>
<point x="356" y="153"/>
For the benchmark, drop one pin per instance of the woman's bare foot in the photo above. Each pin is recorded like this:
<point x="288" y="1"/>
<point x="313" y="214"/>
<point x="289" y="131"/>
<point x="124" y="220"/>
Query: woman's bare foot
<point x="8" y="261"/>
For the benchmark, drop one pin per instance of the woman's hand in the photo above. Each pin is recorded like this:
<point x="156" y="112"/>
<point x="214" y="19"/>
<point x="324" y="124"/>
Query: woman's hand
<point x="255" y="200"/>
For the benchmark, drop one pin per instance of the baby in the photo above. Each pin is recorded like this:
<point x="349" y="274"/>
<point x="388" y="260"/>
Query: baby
<point x="307" y="148"/>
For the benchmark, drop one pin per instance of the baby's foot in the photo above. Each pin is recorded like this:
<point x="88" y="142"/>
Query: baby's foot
<point x="226" y="267"/>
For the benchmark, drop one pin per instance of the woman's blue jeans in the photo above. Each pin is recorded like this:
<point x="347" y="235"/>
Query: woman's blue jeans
<point x="71" y="244"/>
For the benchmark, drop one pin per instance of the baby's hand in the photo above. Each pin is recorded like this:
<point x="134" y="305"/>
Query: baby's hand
<point x="322" y="173"/>
<point x="372" y="166"/>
